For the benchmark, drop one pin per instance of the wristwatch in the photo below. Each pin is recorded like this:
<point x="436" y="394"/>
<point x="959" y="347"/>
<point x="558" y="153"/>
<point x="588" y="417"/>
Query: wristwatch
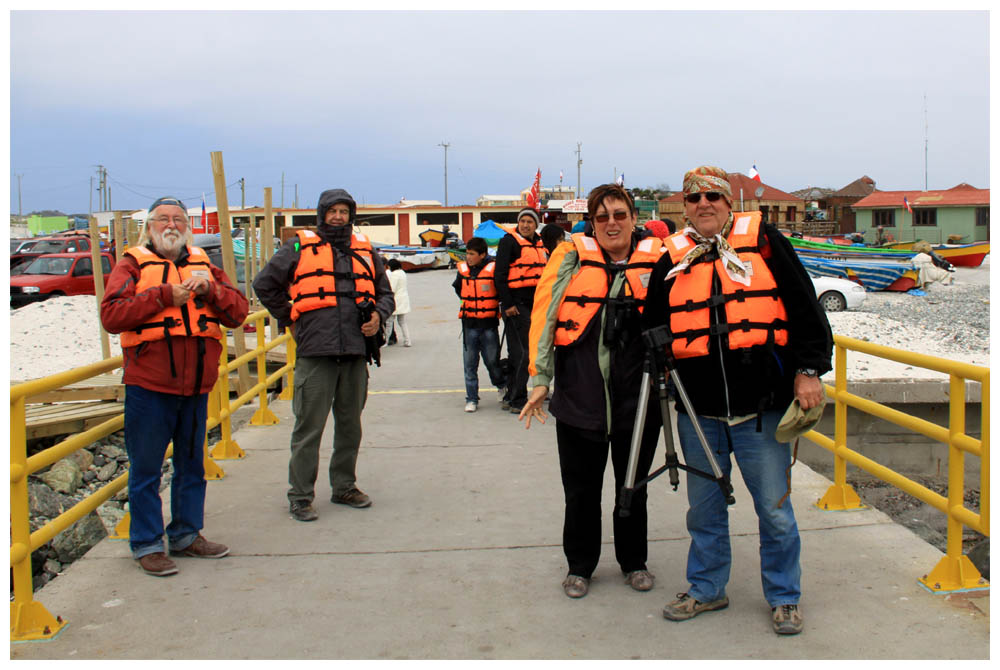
<point x="808" y="372"/>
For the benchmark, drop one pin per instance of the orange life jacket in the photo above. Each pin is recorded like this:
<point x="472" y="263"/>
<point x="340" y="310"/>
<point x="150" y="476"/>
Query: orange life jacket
<point x="192" y="319"/>
<point x="314" y="285"/>
<point x="588" y="289"/>
<point x="755" y="314"/>
<point x="526" y="269"/>
<point x="479" y="293"/>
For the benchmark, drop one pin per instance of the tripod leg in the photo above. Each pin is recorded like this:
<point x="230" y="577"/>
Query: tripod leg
<point x="633" y="454"/>
<point x="668" y="433"/>
<point x="727" y="488"/>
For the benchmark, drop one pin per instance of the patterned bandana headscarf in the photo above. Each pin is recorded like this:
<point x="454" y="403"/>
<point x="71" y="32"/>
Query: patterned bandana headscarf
<point x="700" y="180"/>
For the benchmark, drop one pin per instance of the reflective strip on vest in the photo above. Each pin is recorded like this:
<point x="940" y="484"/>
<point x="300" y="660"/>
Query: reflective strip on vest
<point x="526" y="270"/>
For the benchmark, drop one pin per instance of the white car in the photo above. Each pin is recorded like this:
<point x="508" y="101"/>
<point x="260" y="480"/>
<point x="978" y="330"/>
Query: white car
<point x="836" y="295"/>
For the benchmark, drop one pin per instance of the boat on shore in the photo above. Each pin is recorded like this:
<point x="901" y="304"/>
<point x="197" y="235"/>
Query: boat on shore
<point x="969" y="255"/>
<point x="413" y="259"/>
<point x="875" y="274"/>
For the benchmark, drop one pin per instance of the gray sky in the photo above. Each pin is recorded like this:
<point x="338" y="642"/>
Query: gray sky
<point x="362" y="101"/>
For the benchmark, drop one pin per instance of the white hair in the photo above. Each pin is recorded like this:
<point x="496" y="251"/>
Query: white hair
<point x="145" y="237"/>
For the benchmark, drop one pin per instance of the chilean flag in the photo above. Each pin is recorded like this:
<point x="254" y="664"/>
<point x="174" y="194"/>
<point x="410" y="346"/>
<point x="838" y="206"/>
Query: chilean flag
<point x="204" y="217"/>
<point x="906" y="204"/>
<point x="533" y="193"/>
<point x="753" y="174"/>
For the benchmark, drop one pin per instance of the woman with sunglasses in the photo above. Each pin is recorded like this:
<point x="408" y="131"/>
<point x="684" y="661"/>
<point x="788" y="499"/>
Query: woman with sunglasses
<point x="749" y="336"/>
<point x="585" y="335"/>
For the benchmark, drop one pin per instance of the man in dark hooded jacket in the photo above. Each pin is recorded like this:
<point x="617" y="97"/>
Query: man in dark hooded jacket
<point x="320" y="285"/>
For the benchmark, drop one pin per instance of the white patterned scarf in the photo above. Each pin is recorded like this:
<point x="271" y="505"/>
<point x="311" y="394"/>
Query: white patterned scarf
<point x="735" y="267"/>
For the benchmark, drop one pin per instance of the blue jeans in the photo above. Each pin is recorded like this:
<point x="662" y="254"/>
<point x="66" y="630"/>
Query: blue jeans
<point x="152" y="421"/>
<point x="763" y="463"/>
<point x="485" y="343"/>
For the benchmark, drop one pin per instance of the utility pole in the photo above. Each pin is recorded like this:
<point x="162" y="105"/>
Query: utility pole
<point x="243" y="193"/>
<point x="282" y="190"/>
<point x="296" y="204"/>
<point x="925" y="141"/>
<point x="445" y="145"/>
<point x="579" y="162"/>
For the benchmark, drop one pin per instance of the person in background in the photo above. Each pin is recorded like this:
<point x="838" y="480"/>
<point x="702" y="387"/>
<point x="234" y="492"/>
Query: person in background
<point x="552" y="235"/>
<point x="520" y="259"/>
<point x="170" y="305"/>
<point x="585" y="334"/>
<point x="748" y="337"/>
<point x="480" y="315"/>
<point x="401" y="294"/>
<point x="330" y="289"/>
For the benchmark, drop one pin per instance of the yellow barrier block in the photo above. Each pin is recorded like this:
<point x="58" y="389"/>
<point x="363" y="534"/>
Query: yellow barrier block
<point x="839" y="498"/>
<point x="226" y="450"/>
<point x="954" y="574"/>
<point x="213" y="471"/>
<point x="121" y="528"/>
<point x="31" y="621"/>
<point x="264" y="417"/>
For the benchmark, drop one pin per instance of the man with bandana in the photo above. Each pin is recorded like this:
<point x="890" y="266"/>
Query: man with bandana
<point x="171" y="306"/>
<point x="331" y="289"/>
<point x="749" y="336"/>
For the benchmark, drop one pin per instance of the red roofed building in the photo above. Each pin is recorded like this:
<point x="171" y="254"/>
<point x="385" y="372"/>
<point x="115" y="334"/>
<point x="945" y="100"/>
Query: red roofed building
<point x="958" y="214"/>
<point x="777" y="206"/>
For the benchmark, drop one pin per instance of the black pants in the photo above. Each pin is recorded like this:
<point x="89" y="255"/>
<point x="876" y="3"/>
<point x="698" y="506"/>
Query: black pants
<point x="516" y="327"/>
<point x="582" y="461"/>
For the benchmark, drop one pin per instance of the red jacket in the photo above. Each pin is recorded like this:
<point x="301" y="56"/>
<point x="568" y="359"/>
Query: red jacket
<point x="180" y="365"/>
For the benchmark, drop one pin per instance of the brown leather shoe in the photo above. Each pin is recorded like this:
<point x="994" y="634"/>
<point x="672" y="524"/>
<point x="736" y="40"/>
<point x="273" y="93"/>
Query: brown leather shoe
<point x="353" y="497"/>
<point x="202" y="548"/>
<point x="158" y="565"/>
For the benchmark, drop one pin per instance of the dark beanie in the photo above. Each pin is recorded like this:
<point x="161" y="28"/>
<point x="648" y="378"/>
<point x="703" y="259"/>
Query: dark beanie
<point x="530" y="211"/>
<point x="167" y="201"/>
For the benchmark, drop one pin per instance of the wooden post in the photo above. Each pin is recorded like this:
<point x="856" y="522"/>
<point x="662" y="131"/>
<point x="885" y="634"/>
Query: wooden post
<point x="95" y="255"/>
<point x="117" y="230"/>
<point x="267" y="242"/>
<point x="250" y="258"/>
<point x="133" y="233"/>
<point x="228" y="259"/>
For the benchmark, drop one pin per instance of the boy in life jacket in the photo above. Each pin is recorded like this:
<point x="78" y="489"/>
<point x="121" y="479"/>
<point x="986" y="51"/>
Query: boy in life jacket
<point x="480" y="315"/>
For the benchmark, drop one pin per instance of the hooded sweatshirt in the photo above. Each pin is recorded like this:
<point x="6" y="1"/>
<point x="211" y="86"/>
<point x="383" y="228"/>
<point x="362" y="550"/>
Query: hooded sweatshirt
<point x="330" y="331"/>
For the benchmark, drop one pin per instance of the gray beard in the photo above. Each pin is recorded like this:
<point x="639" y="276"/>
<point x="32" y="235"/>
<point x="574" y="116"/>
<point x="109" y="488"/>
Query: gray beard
<point x="167" y="246"/>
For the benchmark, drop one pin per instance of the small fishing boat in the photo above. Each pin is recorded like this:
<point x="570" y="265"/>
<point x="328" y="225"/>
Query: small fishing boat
<point x="969" y="255"/>
<point x="874" y="274"/>
<point x="412" y="259"/>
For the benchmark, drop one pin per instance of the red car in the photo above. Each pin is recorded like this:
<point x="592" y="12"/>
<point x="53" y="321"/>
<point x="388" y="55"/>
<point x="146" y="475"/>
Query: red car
<point x="52" y="244"/>
<point x="57" y="274"/>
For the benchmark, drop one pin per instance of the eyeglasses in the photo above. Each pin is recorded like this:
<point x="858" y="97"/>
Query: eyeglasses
<point x="163" y="220"/>
<point x="620" y="215"/>
<point x="695" y="198"/>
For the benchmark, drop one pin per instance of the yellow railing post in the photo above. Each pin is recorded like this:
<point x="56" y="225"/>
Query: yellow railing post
<point x="841" y="495"/>
<point x="226" y="448"/>
<point x="955" y="572"/>
<point x="289" y="390"/>
<point x="29" y="620"/>
<point x="263" y="416"/>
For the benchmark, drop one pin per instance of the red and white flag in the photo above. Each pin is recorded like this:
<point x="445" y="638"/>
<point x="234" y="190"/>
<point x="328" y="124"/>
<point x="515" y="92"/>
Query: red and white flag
<point x="906" y="204"/>
<point x="204" y="217"/>
<point x="753" y="174"/>
<point x="560" y="176"/>
<point x="533" y="193"/>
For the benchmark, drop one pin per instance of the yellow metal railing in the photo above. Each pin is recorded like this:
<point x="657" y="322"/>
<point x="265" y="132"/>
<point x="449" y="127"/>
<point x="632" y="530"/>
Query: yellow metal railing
<point x="954" y="572"/>
<point x="29" y="620"/>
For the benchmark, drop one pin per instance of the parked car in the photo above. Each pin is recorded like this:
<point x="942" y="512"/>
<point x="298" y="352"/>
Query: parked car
<point x="836" y="295"/>
<point x="57" y="274"/>
<point x="21" y="245"/>
<point x="53" y="244"/>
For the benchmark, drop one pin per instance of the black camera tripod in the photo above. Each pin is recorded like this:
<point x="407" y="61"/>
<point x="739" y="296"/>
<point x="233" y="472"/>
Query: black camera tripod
<point x="656" y="366"/>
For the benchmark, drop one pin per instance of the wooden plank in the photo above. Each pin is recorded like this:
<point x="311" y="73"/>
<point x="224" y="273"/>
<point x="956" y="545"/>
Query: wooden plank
<point x="101" y="387"/>
<point x="68" y="418"/>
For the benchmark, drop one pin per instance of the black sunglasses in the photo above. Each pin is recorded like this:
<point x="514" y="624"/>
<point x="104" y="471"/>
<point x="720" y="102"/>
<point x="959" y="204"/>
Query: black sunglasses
<point x="695" y="198"/>
<point x="620" y="215"/>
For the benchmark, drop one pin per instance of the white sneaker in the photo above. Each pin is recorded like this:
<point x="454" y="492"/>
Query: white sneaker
<point x="470" y="407"/>
<point x="407" y="344"/>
